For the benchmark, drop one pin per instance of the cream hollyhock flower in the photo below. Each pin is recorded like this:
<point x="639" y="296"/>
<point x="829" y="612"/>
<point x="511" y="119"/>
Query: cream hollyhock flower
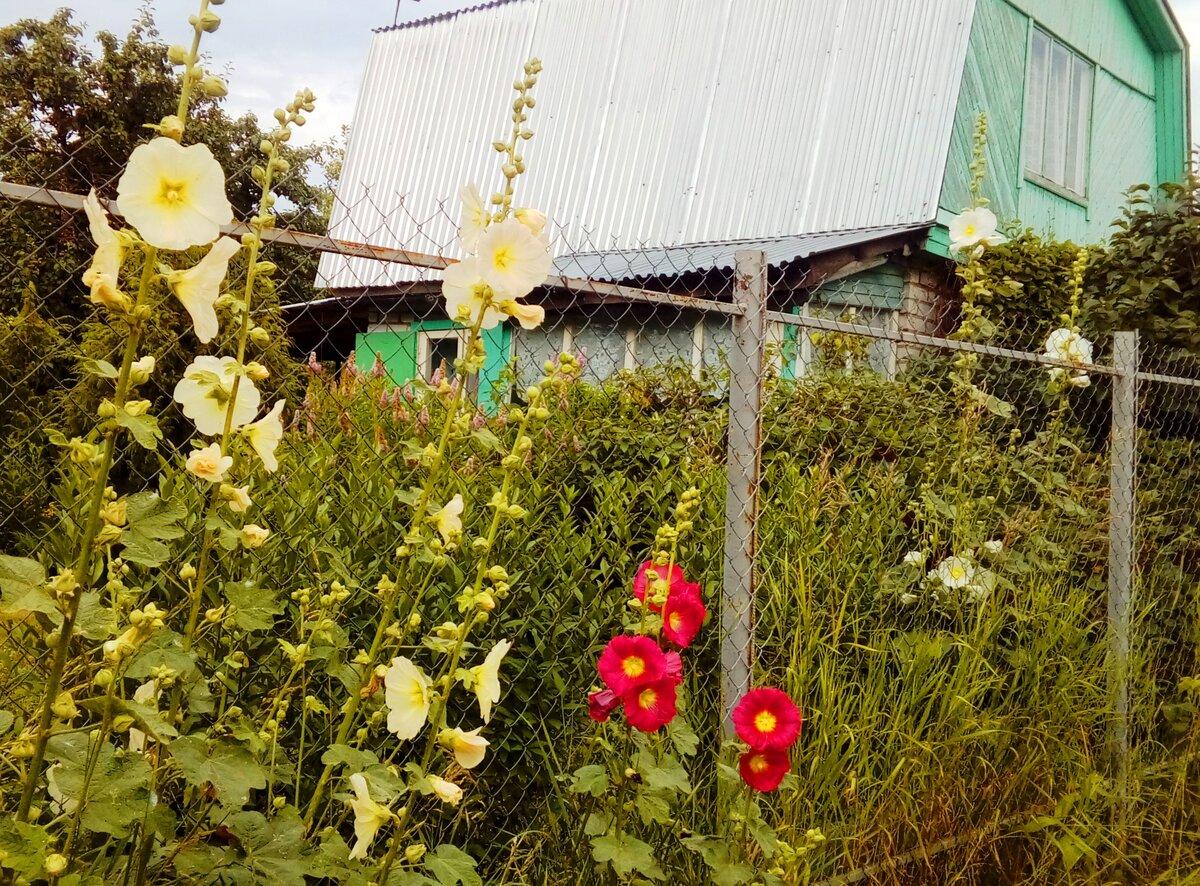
<point x="974" y="228"/>
<point x="369" y="817"/>
<point x="993" y="546"/>
<point x="237" y="497"/>
<point x="466" y="293"/>
<point x="199" y="287"/>
<point x="146" y="694"/>
<point x="1069" y="347"/>
<point x="535" y="221"/>
<point x="981" y="586"/>
<point x="141" y="369"/>
<point x="103" y="275"/>
<point x="529" y="316"/>
<point x="253" y="535"/>
<point x="486" y="679"/>
<point x="955" y="572"/>
<point x="209" y="463"/>
<point x="468" y="747"/>
<point x="475" y="218"/>
<point x="512" y="260"/>
<point x="264" y="435"/>
<point x="174" y="196"/>
<point x="449" y="520"/>
<point x="205" y="391"/>
<point x="446" y="791"/>
<point x="406" y="696"/>
<point x="914" y="558"/>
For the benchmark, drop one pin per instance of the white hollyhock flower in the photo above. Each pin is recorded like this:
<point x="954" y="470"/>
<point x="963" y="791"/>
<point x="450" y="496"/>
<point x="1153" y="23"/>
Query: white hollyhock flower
<point x="486" y="679"/>
<point x="209" y="463"/>
<point x="535" y="221"/>
<point x="955" y="572"/>
<point x="475" y="218"/>
<point x="468" y="748"/>
<point x="1069" y="346"/>
<point x="406" y="692"/>
<point x="174" y="196"/>
<point x="199" y="287"/>
<point x="237" y="497"/>
<point x="254" y="536"/>
<point x="529" y="316"/>
<point x="993" y="546"/>
<point x="205" y="392"/>
<point x="103" y="275"/>
<point x="369" y="817"/>
<point x="146" y="694"/>
<point x="264" y="435"/>
<point x="446" y="791"/>
<point x="467" y="293"/>
<point x="449" y="520"/>
<point x="974" y="228"/>
<point x="914" y="558"/>
<point x="512" y="260"/>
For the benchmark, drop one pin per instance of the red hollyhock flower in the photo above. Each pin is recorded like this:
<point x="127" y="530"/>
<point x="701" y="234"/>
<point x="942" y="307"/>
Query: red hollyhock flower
<point x="767" y="720"/>
<point x="641" y="581"/>
<point x="764" y="770"/>
<point x="683" y="614"/>
<point x="651" y="706"/>
<point x="602" y="703"/>
<point x="675" y="667"/>
<point x="631" y="661"/>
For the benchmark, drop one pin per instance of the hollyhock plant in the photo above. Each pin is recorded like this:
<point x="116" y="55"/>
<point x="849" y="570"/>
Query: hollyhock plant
<point x="102" y="276"/>
<point x="672" y="576"/>
<point x="651" y="706"/>
<point x="199" y="286"/>
<point x="205" y="390"/>
<point x="486" y="679"/>
<point x="602" y="703"/>
<point x="683" y="613"/>
<point x="675" y="667"/>
<point x="369" y="817"/>
<point x="264" y="436"/>
<point x="628" y="662"/>
<point x="406" y="695"/>
<point x="764" y="770"/>
<point x="766" y="719"/>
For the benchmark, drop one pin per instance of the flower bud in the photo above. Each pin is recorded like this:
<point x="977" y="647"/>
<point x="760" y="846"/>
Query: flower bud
<point x="103" y="678"/>
<point x="187" y="572"/>
<point x="414" y="853"/>
<point x="177" y="55"/>
<point x="55" y="864"/>
<point x="64" y="707"/>
<point x="137" y="408"/>
<point x="122" y="722"/>
<point x="140" y="370"/>
<point x="214" y="87"/>
<point x="260" y="336"/>
<point x="208" y="22"/>
<point x="257" y="371"/>
<point x="106" y="409"/>
<point x="171" y="127"/>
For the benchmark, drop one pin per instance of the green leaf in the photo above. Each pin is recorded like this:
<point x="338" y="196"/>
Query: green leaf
<point x="96" y="621"/>
<point x="626" y="854"/>
<point x="275" y="848"/>
<point x="666" y="774"/>
<point x="6" y="721"/>
<point x="23" y="848"/>
<point x="253" y="608"/>
<point x="652" y="807"/>
<point x="118" y="792"/>
<point x="144" y="428"/>
<point x="450" y="866"/>
<point x="151" y="520"/>
<point x="228" y="766"/>
<point x="992" y="404"/>
<point x="99" y="368"/>
<point x="715" y="854"/>
<point x="344" y="755"/>
<point x="597" y="823"/>
<point x="23" y="584"/>
<point x="590" y="780"/>
<point x="682" y="737"/>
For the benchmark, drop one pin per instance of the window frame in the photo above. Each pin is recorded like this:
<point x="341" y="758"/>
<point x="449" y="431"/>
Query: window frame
<point x="425" y="337"/>
<point x="1037" y="173"/>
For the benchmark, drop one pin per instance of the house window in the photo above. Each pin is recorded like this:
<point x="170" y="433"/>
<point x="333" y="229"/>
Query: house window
<point x="1058" y="115"/>
<point x="439" y="348"/>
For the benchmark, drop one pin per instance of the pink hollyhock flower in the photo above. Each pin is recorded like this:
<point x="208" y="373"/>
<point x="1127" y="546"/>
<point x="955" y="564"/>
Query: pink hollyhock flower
<point x="683" y="614"/>
<point x="630" y="661"/>
<point x="764" y="770"/>
<point x="641" y="581"/>
<point x="767" y="720"/>
<point x="601" y="704"/>
<point x="675" y="667"/>
<point x="651" y="706"/>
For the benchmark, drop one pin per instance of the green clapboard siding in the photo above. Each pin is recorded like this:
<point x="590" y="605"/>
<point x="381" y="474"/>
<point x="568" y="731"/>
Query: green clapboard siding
<point x="1139" y="115"/>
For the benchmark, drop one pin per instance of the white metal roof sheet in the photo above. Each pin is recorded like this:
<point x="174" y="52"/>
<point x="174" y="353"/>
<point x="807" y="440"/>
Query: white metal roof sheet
<point x="658" y="123"/>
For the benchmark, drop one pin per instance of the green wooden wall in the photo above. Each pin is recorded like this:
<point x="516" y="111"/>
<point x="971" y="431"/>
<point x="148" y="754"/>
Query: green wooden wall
<point x="1139" y="88"/>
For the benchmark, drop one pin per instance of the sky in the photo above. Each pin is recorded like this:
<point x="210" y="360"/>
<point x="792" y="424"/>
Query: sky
<point x="274" y="47"/>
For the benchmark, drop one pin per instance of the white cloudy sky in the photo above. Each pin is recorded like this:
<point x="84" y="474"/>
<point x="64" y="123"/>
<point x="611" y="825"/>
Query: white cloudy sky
<point x="274" y="47"/>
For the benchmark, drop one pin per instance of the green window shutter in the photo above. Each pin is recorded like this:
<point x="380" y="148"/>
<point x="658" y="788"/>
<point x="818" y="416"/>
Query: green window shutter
<point x="398" y="350"/>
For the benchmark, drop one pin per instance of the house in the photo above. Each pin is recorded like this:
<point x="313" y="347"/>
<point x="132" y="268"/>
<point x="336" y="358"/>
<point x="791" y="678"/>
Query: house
<point x="835" y="135"/>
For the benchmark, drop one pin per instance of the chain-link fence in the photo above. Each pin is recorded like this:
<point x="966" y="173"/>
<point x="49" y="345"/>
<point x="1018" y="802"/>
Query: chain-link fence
<point x="977" y="574"/>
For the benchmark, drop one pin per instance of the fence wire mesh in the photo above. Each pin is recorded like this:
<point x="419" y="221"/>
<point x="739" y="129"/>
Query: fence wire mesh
<point x="908" y="532"/>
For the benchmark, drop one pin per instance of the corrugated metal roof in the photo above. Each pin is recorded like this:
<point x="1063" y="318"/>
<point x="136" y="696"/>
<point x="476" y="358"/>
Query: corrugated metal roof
<point x="659" y="122"/>
<point x="675" y="260"/>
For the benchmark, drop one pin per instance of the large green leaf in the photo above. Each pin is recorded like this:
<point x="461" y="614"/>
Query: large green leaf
<point x="151" y="519"/>
<point x="253" y="608"/>
<point x="23" y="584"/>
<point x="450" y="866"/>
<point x="118" y="792"/>
<point x="626" y="854"/>
<point x="228" y="766"/>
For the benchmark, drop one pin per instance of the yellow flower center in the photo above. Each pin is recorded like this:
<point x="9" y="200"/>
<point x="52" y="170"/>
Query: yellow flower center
<point x="172" y="192"/>
<point x="765" y="721"/>
<point x="969" y="230"/>
<point x="647" y="698"/>
<point x="502" y="258"/>
<point x="956" y="573"/>
<point x="634" y="666"/>
<point x="676" y="620"/>
<point x="758" y="763"/>
<point x="416" y="694"/>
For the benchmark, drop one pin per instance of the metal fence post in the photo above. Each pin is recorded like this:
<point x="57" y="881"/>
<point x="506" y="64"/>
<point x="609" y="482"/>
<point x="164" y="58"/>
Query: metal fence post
<point x="1122" y="506"/>
<point x="746" y="361"/>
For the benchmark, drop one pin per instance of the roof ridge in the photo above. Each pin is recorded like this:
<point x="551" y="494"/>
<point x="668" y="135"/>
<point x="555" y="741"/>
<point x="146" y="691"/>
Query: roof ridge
<point x="441" y="16"/>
